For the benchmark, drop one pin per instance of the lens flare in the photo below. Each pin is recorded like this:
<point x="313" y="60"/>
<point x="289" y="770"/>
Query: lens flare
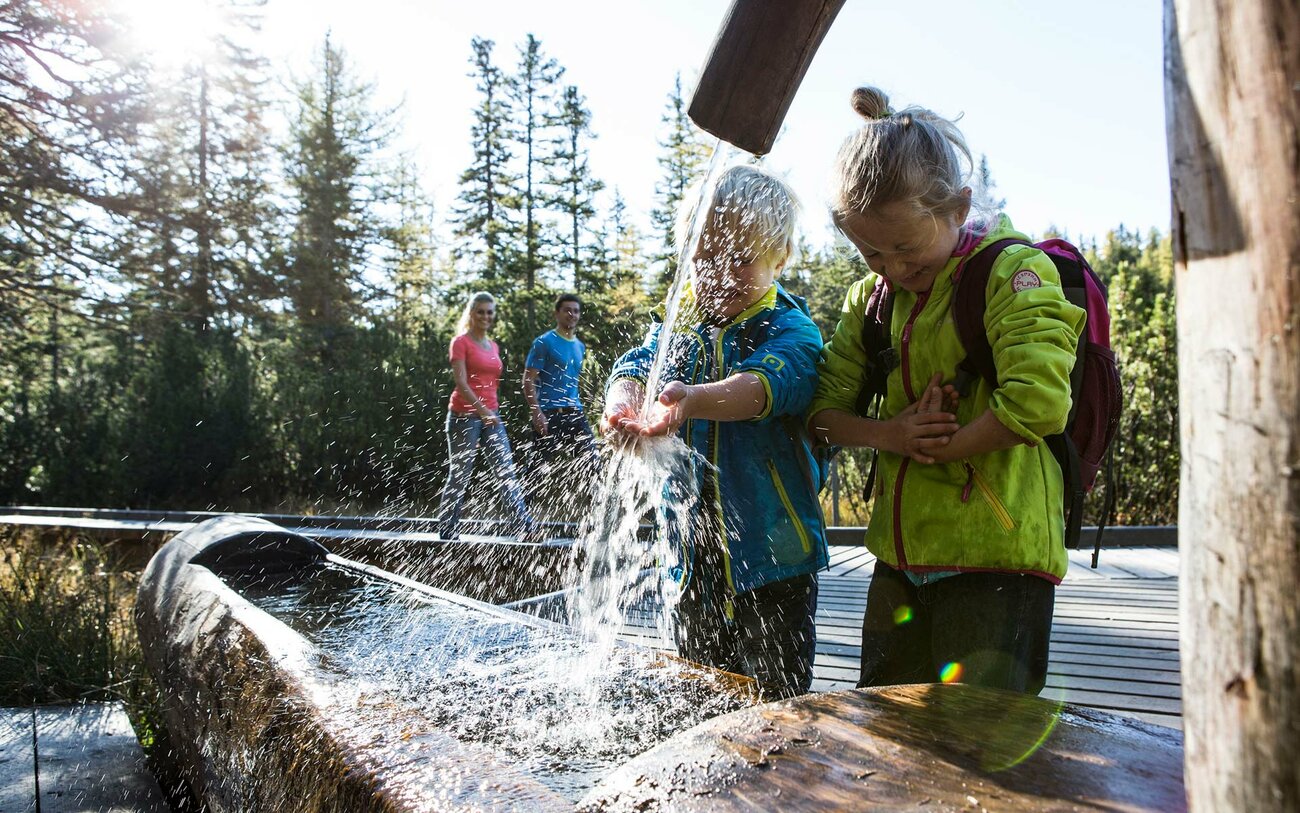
<point x="950" y="673"/>
<point x="902" y="615"/>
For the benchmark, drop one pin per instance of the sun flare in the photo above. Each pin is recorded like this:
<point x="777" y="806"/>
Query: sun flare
<point x="173" y="32"/>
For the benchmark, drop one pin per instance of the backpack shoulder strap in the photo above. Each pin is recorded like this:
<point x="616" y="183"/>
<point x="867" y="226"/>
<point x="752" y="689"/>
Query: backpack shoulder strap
<point x="878" y="344"/>
<point x="968" y="305"/>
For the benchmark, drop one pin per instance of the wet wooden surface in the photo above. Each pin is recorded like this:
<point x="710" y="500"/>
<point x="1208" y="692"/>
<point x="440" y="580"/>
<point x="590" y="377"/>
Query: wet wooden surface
<point x="931" y="747"/>
<point x="86" y="757"/>
<point x="1114" y="638"/>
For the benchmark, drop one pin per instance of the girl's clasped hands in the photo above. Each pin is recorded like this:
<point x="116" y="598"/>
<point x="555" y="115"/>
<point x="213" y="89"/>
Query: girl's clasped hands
<point x="927" y="424"/>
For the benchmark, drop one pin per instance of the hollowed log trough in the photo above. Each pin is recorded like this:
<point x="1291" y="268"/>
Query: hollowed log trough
<point x="257" y="720"/>
<point x="261" y="719"/>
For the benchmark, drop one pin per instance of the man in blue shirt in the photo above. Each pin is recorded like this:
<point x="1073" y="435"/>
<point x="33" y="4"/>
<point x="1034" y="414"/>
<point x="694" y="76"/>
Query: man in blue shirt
<point x="562" y="436"/>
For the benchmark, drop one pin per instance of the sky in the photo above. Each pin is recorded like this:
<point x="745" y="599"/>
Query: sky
<point x="1064" y="99"/>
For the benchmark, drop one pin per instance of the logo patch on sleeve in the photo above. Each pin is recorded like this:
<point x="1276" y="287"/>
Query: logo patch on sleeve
<point x="1024" y="280"/>
<point x="773" y="362"/>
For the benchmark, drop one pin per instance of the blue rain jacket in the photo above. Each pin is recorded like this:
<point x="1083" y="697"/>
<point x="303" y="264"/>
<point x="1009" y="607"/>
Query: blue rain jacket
<point x="763" y="470"/>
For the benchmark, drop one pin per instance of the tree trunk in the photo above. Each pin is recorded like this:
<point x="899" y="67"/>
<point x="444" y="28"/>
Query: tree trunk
<point x="1232" y="74"/>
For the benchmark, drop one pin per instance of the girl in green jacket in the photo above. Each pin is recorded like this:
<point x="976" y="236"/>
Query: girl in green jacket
<point x="967" y="520"/>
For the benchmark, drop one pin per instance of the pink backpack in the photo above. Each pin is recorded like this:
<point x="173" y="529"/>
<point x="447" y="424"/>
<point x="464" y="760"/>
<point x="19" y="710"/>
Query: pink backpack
<point x="1096" y="397"/>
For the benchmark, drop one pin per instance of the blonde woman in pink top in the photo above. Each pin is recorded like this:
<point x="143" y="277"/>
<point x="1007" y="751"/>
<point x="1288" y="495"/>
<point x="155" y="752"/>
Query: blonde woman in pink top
<point x="474" y="421"/>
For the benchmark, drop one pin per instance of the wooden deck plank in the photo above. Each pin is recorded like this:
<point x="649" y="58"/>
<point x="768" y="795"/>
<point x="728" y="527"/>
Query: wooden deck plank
<point x="89" y="759"/>
<point x="1114" y="635"/>
<point x="1110" y="701"/>
<point x="1141" y="563"/>
<point x="17" y="767"/>
<point x="1089" y="652"/>
<point x="1094" y="660"/>
<point x="1101" y="629"/>
<point x="1137" y="674"/>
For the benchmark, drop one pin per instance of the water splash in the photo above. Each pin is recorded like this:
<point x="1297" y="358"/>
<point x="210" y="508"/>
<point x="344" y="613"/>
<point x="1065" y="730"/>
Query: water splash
<point x="486" y="678"/>
<point x="619" y="570"/>
<point x="568" y="704"/>
<point x="724" y="155"/>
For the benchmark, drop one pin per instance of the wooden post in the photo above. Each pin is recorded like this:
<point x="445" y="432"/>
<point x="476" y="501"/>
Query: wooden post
<point x="1232" y="75"/>
<point x="761" y="53"/>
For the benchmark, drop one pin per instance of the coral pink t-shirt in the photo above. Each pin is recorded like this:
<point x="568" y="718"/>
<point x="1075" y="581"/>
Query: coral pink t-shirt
<point x="483" y="366"/>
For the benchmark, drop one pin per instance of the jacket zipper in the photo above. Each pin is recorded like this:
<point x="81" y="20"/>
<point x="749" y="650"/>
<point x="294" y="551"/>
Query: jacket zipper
<point x="921" y="299"/>
<point x="729" y="604"/>
<point x="906" y="373"/>
<point x="685" y="555"/>
<point x="804" y="541"/>
<point x="973" y="477"/>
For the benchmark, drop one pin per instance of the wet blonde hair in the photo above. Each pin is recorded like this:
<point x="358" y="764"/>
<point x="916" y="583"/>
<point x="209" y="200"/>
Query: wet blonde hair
<point x="914" y="156"/>
<point x="750" y="216"/>
<point x="480" y="297"/>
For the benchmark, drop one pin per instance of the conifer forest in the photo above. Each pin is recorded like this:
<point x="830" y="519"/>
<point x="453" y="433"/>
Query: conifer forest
<point x="225" y="289"/>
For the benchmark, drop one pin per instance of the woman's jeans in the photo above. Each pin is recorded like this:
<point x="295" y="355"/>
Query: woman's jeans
<point x="466" y="434"/>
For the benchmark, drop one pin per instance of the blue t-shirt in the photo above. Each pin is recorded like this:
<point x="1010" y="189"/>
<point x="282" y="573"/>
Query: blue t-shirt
<point x="558" y="361"/>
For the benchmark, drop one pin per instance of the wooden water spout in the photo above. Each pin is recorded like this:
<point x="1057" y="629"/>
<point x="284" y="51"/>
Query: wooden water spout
<point x="760" y="56"/>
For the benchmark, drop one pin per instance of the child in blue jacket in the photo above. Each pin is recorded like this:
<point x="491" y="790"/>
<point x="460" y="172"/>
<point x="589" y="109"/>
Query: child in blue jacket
<point x="741" y="371"/>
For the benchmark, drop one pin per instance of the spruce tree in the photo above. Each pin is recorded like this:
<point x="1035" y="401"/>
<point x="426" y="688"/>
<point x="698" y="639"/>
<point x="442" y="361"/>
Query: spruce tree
<point x="574" y="189"/>
<point x="71" y="102"/>
<point x="485" y="219"/>
<point x="532" y="93"/>
<point x="208" y="230"/>
<point x="629" y="261"/>
<point x="410" y="249"/>
<point x="987" y="186"/>
<point x="685" y="156"/>
<point x="332" y="165"/>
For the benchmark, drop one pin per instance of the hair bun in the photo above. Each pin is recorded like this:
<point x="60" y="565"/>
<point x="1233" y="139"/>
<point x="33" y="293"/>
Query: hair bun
<point x="870" y="103"/>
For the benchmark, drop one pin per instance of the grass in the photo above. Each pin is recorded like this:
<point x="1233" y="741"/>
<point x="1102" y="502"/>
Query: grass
<point x="67" y="633"/>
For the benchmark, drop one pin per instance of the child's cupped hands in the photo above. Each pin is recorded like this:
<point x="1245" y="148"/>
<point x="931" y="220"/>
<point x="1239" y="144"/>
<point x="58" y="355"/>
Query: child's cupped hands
<point x="928" y="423"/>
<point x="668" y="411"/>
<point x="621" y="421"/>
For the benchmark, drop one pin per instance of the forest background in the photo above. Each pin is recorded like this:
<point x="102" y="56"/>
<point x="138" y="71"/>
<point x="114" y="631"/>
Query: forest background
<point x="222" y="288"/>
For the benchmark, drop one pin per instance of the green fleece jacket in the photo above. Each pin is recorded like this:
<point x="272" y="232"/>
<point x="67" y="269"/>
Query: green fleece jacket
<point x="995" y="512"/>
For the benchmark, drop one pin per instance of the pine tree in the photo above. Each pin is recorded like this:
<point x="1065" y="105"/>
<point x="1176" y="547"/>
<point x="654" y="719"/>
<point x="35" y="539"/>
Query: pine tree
<point x="532" y="93"/>
<point x="485" y="219"/>
<point x="574" y="188"/>
<point x="208" y="231"/>
<point x="411" y="255"/>
<point x="336" y="141"/>
<point x="685" y="155"/>
<point x="629" y="260"/>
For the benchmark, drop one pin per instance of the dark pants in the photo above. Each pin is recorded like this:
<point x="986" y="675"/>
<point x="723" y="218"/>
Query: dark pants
<point x="568" y="440"/>
<point x="986" y="629"/>
<point x="565" y="457"/>
<point x="771" y="637"/>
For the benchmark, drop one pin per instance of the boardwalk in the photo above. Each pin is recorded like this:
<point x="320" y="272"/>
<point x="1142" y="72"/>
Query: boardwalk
<point x="82" y="758"/>
<point x="1114" y="639"/>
